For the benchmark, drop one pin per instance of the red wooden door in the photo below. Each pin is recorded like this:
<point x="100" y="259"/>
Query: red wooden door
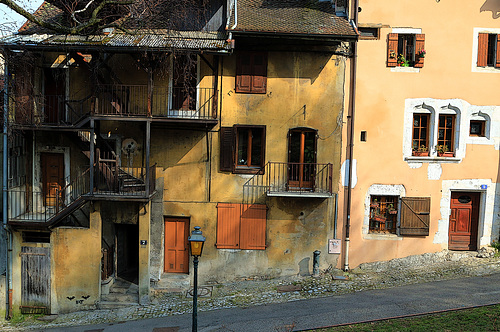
<point x="301" y="159"/>
<point x="176" y="245"/>
<point x="52" y="176"/>
<point x="463" y="221"/>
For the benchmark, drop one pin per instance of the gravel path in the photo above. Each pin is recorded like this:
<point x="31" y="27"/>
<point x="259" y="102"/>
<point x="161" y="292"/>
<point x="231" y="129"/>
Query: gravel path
<point x="410" y="270"/>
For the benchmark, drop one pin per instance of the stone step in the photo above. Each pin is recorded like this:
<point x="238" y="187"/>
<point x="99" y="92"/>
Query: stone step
<point x="174" y="281"/>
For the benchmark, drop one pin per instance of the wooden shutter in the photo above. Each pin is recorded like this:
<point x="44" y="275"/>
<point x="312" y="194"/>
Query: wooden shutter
<point x="482" y="50"/>
<point x="497" y="63"/>
<point x="419" y="46"/>
<point x="226" y="148"/>
<point x="415" y="215"/>
<point x="259" y="73"/>
<point x="228" y="226"/>
<point x="244" y="73"/>
<point x="392" y="50"/>
<point x="253" y="226"/>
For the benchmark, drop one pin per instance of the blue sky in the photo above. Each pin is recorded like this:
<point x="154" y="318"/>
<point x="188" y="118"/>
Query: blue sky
<point x="11" y="21"/>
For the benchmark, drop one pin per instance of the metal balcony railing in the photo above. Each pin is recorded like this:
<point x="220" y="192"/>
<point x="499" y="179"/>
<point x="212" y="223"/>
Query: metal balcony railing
<point x="187" y="103"/>
<point x="289" y="179"/>
<point x="114" y="180"/>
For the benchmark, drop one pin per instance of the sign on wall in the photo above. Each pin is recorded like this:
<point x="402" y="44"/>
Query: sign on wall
<point x="334" y="246"/>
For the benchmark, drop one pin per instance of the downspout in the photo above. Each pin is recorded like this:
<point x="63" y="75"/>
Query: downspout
<point x="8" y="271"/>
<point x="350" y="137"/>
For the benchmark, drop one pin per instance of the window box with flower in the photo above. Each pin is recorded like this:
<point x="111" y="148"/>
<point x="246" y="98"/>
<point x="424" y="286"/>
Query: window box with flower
<point x="420" y="151"/>
<point x="444" y="151"/>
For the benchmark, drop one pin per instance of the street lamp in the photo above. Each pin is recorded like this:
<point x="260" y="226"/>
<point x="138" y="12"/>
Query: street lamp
<point x="196" y="241"/>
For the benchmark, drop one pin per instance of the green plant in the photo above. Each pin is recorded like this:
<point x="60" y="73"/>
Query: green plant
<point x="496" y="245"/>
<point x="442" y="148"/>
<point x="402" y="61"/>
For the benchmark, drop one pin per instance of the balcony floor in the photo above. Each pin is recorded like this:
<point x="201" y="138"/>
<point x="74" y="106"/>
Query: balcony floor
<point x="304" y="194"/>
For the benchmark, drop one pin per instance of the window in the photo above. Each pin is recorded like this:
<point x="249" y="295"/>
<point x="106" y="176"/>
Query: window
<point x="446" y="135"/>
<point x="241" y="226"/>
<point x="420" y="141"/>
<point x="383" y="214"/>
<point x="36" y="237"/>
<point x="488" y="54"/>
<point x="406" y="50"/>
<point x="251" y="72"/>
<point x="369" y="33"/>
<point x="477" y="128"/>
<point x="242" y="148"/>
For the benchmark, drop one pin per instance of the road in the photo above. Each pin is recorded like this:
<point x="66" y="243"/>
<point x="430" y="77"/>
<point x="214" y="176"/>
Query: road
<point x="320" y="312"/>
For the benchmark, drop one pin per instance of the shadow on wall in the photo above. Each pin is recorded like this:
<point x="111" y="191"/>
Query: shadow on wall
<point x="492" y="6"/>
<point x="304" y="267"/>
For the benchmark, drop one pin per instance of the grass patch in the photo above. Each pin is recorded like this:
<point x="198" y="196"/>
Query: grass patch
<point x="477" y="319"/>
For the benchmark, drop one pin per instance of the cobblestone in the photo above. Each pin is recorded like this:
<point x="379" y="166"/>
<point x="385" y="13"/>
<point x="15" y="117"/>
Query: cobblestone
<point x="413" y="269"/>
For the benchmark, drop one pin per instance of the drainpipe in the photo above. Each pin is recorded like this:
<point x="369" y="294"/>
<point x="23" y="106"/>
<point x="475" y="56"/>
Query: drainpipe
<point x="350" y="138"/>
<point x="8" y="271"/>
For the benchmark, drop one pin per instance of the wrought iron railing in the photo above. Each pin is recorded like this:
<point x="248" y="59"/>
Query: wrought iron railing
<point x="117" y="100"/>
<point x="289" y="179"/>
<point x="123" y="181"/>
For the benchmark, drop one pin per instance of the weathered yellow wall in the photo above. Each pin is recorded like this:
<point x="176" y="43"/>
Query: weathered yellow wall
<point x="76" y="266"/>
<point x="303" y="90"/>
<point x="380" y="104"/>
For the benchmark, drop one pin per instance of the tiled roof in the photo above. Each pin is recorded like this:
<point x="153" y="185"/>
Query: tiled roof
<point x="151" y="39"/>
<point x="312" y="17"/>
<point x="46" y="11"/>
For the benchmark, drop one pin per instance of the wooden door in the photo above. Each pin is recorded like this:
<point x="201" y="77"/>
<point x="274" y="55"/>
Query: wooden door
<point x="301" y="159"/>
<point x="176" y="245"/>
<point x="52" y="176"/>
<point x="35" y="280"/>
<point x="464" y="221"/>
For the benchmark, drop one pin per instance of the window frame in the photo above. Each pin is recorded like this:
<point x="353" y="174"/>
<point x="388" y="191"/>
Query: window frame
<point x="229" y="140"/>
<point x="450" y="141"/>
<point x="380" y="214"/>
<point x="488" y="50"/>
<point x="482" y="124"/>
<point x="422" y="146"/>
<point x="397" y="45"/>
<point x="251" y="77"/>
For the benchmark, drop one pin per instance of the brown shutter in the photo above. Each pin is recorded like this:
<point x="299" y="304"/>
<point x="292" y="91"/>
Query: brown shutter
<point x="392" y="50"/>
<point x="482" y="50"/>
<point x="259" y="74"/>
<point x="228" y="226"/>
<point x="253" y="226"/>
<point x="419" y="46"/>
<point x="244" y="73"/>
<point x="415" y="215"/>
<point x="497" y="63"/>
<point x="226" y="148"/>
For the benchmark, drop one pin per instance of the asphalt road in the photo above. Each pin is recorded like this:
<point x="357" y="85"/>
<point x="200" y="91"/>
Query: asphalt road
<point x="320" y="312"/>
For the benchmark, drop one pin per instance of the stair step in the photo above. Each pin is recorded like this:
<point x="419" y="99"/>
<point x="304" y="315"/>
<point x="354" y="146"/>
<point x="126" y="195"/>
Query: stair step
<point x="119" y="297"/>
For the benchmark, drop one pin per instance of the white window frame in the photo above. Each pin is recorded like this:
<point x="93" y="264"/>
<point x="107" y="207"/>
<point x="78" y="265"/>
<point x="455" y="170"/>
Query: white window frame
<point x="475" y="37"/>
<point x="406" y="31"/>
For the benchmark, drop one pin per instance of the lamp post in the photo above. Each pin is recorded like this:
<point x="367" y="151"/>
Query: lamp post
<point x="196" y="241"/>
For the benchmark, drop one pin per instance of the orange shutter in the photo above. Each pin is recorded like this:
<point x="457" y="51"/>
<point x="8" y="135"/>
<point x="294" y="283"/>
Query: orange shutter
<point x="259" y="74"/>
<point x="497" y="63"/>
<point x="253" y="226"/>
<point x="482" y="50"/>
<point x="228" y="226"/>
<point x="392" y="50"/>
<point x="226" y="148"/>
<point x="419" y="46"/>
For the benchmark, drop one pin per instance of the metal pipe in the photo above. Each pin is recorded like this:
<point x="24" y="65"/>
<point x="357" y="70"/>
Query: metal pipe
<point x="350" y="138"/>
<point x="195" y="295"/>
<point x="8" y="256"/>
<point x="316" y="254"/>
<point x="235" y="14"/>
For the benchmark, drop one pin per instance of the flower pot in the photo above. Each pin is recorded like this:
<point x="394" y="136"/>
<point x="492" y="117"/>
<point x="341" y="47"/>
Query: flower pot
<point x="420" y="153"/>
<point x="445" y="154"/>
<point x="379" y="218"/>
<point x="393" y="212"/>
<point x="374" y="205"/>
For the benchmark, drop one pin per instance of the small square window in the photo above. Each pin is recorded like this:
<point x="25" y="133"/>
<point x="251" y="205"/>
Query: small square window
<point x="477" y="128"/>
<point x="369" y="33"/>
<point x="406" y="50"/>
<point x="383" y="214"/>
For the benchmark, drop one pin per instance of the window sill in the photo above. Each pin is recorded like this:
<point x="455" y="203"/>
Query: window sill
<point x="248" y="170"/>
<point x="428" y="159"/>
<point x="405" y="70"/>
<point x="382" y="236"/>
<point x="486" y="69"/>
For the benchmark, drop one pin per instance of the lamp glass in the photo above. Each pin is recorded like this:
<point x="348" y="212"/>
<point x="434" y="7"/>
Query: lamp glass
<point x="196" y="248"/>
